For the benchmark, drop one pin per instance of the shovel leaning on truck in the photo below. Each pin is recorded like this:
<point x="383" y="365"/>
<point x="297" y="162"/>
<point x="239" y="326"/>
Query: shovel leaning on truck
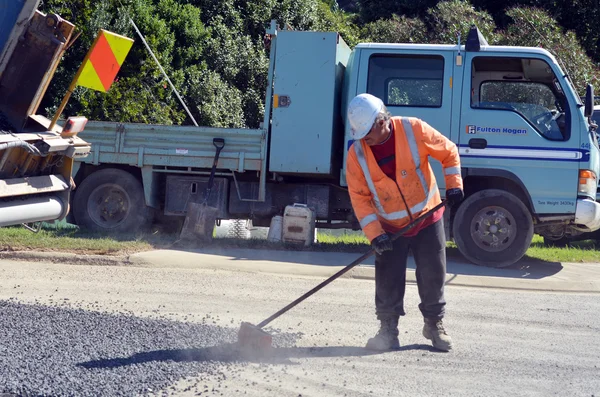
<point x="200" y="218"/>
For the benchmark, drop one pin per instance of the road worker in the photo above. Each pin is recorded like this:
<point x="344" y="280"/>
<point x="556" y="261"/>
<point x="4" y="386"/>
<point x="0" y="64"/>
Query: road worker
<point x="391" y="183"/>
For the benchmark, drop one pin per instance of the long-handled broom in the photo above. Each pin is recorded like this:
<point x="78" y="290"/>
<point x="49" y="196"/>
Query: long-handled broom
<point x="255" y="338"/>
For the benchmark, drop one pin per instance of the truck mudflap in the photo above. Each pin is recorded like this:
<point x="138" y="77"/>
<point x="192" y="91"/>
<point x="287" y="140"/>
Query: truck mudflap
<point x="587" y="213"/>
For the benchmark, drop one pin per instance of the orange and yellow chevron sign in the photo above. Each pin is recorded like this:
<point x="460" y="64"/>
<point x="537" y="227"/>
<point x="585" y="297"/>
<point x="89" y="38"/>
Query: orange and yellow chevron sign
<point x="103" y="61"/>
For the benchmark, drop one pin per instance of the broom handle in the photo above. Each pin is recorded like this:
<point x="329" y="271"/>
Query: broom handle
<point x="350" y="266"/>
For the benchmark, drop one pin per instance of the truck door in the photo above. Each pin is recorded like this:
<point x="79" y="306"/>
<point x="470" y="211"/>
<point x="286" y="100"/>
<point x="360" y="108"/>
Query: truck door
<point x="413" y="83"/>
<point x="516" y="118"/>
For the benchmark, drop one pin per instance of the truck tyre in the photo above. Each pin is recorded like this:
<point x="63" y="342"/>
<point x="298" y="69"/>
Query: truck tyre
<point x="493" y="228"/>
<point x="111" y="200"/>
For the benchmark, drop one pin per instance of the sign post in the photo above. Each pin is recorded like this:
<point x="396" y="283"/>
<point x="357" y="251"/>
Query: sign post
<point x="99" y="67"/>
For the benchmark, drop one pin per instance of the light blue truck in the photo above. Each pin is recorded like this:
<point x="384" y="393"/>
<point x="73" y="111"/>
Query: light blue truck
<point x="530" y="157"/>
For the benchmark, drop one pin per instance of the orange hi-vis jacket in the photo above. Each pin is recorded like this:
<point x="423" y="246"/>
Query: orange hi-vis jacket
<point x="377" y="200"/>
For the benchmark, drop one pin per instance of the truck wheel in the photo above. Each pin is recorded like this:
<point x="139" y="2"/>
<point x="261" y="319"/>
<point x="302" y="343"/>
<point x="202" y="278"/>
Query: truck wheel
<point x="111" y="200"/>
<point x="493" y="228"/>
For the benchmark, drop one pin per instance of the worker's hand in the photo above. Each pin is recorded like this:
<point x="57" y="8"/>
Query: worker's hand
<point x="454" y="196"/>
<point x="382" y="243"/>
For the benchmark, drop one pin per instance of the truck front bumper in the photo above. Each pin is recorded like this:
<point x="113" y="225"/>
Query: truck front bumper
<point x="587" y="213"/>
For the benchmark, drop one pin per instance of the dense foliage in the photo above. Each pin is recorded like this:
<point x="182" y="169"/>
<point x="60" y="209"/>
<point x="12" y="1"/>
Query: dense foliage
<point x="213" y="50"/>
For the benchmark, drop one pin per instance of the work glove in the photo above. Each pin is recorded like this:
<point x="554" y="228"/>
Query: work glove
<point x="382" y="243"/>
<point x="454" y="196"/>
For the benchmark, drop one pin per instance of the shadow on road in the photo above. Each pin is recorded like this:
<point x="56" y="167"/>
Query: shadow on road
<point x="229" y="353"/>
<point x="527" y="268"/>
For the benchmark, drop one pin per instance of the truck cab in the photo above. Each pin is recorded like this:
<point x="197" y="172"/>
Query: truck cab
<point x="528" y="159"/>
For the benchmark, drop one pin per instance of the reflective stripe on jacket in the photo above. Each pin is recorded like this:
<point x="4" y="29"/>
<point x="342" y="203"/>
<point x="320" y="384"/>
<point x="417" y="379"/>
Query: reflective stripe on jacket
<point x="378" y="200"/>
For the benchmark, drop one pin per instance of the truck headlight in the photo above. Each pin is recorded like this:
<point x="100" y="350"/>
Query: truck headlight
<point x="587" y="183"/>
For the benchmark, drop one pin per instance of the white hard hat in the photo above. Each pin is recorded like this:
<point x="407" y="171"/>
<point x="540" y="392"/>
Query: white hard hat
<point x="362" y="111"/>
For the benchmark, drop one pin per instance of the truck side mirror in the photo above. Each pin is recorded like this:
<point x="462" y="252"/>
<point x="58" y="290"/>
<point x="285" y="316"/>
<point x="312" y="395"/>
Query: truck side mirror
<point x="589" y="101"/>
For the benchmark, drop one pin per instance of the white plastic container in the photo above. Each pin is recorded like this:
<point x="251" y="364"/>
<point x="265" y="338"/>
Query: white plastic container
<point x="275" y="229"/>
<point x="298" y="225"/>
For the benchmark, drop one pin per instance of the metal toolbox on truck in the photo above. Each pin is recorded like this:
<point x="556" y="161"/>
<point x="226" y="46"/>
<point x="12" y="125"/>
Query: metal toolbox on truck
<point x="306" y="128"/>
<point x="182" y="188"/>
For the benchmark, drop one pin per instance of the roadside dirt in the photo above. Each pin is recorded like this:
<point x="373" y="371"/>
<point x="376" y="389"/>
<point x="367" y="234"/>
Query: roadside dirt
<point x="73" y="258"/>
<point x="223" y="243"/>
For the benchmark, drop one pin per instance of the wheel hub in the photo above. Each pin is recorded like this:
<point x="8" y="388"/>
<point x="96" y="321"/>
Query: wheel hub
<point x="108" y="205"/>
<point x="493" y="229"/>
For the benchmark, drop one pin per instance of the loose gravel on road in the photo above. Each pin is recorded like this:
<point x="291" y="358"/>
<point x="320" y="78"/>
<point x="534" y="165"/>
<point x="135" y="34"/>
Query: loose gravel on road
<point x="73" y="351"/>
<point x="71" y="329"/>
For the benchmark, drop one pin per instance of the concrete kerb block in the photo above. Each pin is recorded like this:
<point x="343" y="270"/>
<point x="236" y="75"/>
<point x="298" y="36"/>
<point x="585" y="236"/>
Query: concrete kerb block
<point x="74" y="259"/>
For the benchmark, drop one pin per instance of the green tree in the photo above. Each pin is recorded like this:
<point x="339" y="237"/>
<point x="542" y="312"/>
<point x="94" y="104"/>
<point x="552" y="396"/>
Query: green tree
<point x="177" y="37"/>
<point x="373" y="10"/>
<point x="213" y="102"/>
<point x="535" y="27"/>
<point x="449" y="18"/>
<point x="333" y="19"/>
<point x="242" y="63"/>
<point x="213" y="50"/>
<point x="580" y="16"/>
<point x="204" y="46"/>
<point x="397" y="29"/>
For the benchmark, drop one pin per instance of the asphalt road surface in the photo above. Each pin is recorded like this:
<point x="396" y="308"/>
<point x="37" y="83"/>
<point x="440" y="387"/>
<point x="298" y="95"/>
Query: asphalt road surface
<point x="108" y="331"/>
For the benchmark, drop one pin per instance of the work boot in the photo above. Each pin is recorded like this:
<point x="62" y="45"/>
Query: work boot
<point x="433" y="330"/>
<point x="387" y="336"/>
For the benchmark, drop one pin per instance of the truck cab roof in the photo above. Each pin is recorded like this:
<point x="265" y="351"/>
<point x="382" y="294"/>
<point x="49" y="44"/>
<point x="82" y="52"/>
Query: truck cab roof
<point x="454" y="47"/>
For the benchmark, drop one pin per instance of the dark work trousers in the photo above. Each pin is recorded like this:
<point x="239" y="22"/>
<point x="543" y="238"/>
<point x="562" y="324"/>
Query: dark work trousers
<point x="429" y="250"/>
